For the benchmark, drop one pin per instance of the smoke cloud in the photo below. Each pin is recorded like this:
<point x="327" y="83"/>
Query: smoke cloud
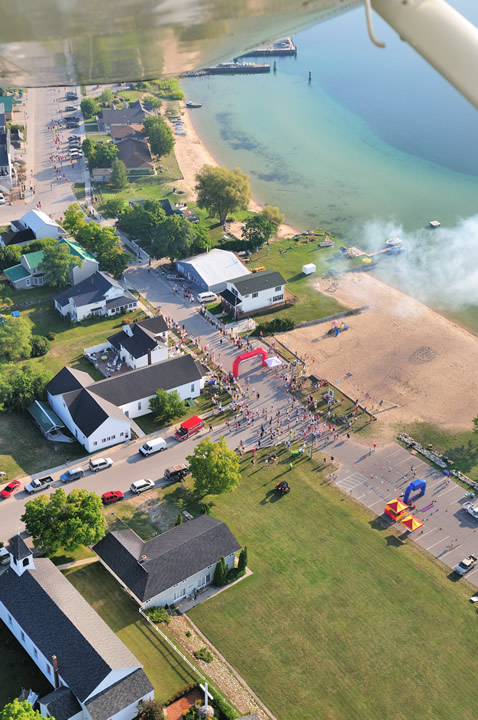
<point x="439" y="267"/>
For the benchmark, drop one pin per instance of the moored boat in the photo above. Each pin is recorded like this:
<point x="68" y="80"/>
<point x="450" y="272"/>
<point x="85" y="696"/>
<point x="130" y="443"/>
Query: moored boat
<point x="190" y="104"/>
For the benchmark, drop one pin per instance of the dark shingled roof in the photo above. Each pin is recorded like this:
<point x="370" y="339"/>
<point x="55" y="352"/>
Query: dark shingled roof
<point x="155" y="325"/>
<point x="170" y="558"/>
<point x="91" y="290"/>
<point x="120" y="695"/>
<point x="67" y="380"/>
<point x="141" y="383"/>
<point x="139" y="342"/>
<point x="60" y="622"/>
<point x="18" y="548"/>
<point x="88" y="411"/>
<point x="264" y="280"/>
<point x="61" y="703"/>
<point x="230" y="298"/>
<point x="134" y="153"/>
<point x="14" y="238"/>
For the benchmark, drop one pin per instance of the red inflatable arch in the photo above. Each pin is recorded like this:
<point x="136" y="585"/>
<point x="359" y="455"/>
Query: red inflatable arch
<point x="246" y="356"/>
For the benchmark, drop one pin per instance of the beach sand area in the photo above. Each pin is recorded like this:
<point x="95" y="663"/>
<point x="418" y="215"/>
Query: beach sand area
<point x="399" y="351"/>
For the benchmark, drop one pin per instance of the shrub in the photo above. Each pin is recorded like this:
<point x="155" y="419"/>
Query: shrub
<point x="188" y="633"/>
<point x="242" y="564"/>
<point x="51" y="335"/>
<point x="234" y="574"/>
<point x="223" y="711"/>
<point x="204" y="654"/>
<point x="181" y="693"/>
<point x="158" y="615"/>
<point x="220" y="572"/>
<point x="274" y="326"/>
<point x="40" y="346"/>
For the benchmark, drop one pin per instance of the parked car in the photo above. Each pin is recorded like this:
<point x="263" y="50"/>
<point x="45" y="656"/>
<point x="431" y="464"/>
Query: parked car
<point x="111" y="497"/>
<point x="189" y="427"/>
<point x="72" y="474"/>
<point x="2" y="199"/>
<point x="100" y="464"/>
<point x="74" y="137"/>
<point x="465" y="565"/>
<point x="10" y="489"/>
<point x="38" y="484"/>
<point x="72" y="108"/>
<point x="141" y="486"/>
<point x="153" y="446"/>
<point x="206" y="297"/>
<point x="176" y="473"/>
<point x="71" y="95"/>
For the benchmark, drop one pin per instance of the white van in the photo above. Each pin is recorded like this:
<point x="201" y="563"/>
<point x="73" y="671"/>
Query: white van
<point x="206" y="297"/>
<point x="152" y="446"/>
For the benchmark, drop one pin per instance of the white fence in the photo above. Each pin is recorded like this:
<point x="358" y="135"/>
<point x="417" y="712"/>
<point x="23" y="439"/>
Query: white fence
<point x="96" y="348"/>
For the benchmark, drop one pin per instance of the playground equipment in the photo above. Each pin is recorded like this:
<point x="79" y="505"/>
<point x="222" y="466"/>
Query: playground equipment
<point x="246" y="356"/>
<point x="417" y="484"/>
<point x="336" y="328"/>
<point x="396" y="509"/>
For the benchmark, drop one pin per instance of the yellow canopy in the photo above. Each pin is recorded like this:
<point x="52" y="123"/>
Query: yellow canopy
<point x="396" y="506"/>
<point x="411" y="523"/>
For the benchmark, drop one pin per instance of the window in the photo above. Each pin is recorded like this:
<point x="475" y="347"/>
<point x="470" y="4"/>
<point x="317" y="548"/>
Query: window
<point x="193" y="387"/>
<point x="25" y="562"/>
<point x="28" y="282"/>
<point x="277" y="298"/>
<point x="255" y="295"/>
<point x="208" y="578"/>
<point x="104" y="440"/>
<point x="10" y="619"/>
<point x="48" y="669"/>
<point x="96" y="442"/>
<point x="121" y="434"/>
<point x="35" y="652"/>
<point x="23" y="636"/>
<point x="234" y="291"/>
<point x="139" y="404"/>
<point x="278" y="289"/>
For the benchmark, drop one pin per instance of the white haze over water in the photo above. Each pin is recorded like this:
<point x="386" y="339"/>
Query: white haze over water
<point x="439" y="267"/>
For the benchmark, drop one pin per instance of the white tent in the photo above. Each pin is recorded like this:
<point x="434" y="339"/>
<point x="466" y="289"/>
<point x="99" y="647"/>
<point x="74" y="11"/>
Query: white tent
<point x="273" y="362"/>
<point x="309" y="269"/>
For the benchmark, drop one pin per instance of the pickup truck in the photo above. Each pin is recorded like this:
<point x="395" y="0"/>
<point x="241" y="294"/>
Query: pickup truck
<point x="176" y="473"/>
<point x="466" y="565"/>
<point x="39" y="484"/>
<point x="471" y="509"/>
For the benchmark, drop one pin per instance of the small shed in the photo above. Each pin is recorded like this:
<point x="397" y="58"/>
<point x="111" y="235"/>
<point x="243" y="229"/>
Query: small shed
<point x="309" y="268"/>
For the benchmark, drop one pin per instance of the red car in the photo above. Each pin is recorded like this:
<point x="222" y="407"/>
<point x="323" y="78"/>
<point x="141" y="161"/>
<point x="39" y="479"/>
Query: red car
<point x="111" y="497"/>
<point x="10" y="489"/>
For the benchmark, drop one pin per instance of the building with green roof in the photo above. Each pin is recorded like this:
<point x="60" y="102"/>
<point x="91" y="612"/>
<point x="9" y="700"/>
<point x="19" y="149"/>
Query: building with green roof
<point x="7" y="102"/>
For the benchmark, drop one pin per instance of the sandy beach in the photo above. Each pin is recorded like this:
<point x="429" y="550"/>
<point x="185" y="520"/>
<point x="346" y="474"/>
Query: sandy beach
<point x="419" y="365"/>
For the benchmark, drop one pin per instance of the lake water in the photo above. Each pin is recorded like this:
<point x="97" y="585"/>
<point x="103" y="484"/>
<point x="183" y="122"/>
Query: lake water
<point x="377" y="135"/>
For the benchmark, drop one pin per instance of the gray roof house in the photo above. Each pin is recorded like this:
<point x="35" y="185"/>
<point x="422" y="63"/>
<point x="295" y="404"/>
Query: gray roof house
<point x="98" y="413"/>
<point x="92" y="673"/>
<point x="142" y="343"/>
<point x="134" y="114"/>
<point x="250" y="293"/>
<point x="98" y="294"/>
<point x="172" y="565"/>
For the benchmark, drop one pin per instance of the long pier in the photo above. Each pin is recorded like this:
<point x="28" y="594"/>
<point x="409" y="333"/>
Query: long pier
<point x="284" y="47"/>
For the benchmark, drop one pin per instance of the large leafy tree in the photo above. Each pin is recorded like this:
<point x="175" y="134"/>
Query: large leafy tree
<point x="22" y="386"/>
<point x="15" y="338"/>
<point x="74" y="218"/>
<point x="257" y="230"/>
<point x="65" y="521"/>
<point x="274" y="215"/>
<point x="107" y="96"/>
<point x="166" y="405"/>
<point x="57" y="263"/>
<point x="115" y="261"/>
<point x="214" y="467"/>
<point x="174" y="238"/>
<point x="222" y="191"/>
<point x="9" y="256"/>
<point x="89" y="107"/>
<point x="142" y="220"/>
<point x="105" y="154"/>
<point x="20" y="710"/>
<point x="161" y="138"/>
<point x="119" y="174"/>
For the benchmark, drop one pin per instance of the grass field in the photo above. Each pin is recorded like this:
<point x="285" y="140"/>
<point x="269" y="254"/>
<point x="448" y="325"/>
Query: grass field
<point x="460" y="447"/>
<point x="341" y="619"/>
<point x="311" y="304"/>
<point x="18" y="670"/>
<point x="162" y="666"/>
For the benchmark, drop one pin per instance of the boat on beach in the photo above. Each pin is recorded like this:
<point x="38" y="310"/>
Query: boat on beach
<point x="393" y="241"/>
<point x="190" y="104"/>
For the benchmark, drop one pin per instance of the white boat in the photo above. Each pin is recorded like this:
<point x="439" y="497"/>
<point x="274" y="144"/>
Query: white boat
<point x="191" y="104"/>
<point x="393" y="241"/>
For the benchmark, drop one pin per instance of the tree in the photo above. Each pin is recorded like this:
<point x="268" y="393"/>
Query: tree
<point x="57" y="264"/>
<point x="5" y="297"/>
<point x="220" y="573"/>
<point x="65" y="521"/>
<point x="74" y="218"/>
<point x="149" y="710"/>
<point x="141" y="221"/>
<point x="222" y="191"/>
<point x="256" y="231"/>
<point x="166" y="406"/>
<point x="174" y="238"/>
<point x="154" y="102"/>
<point x="214" y="467"/>
<point x="9" y="256"/>
<point x="115" y="261"/>
<point x="475" y="424"/>
<point x="107" y="96"/>
<point x="179" y="520"/>
<point x="115" y="206"/>
<point x="89" y="108"/>
<point x="242" y="564"/>
<point x="169" y="88"/>
<point x="89" y="149"/>
<point x="274" y="215"/>
<point x="15" y="338"/>
<point x="119" y="174"/>
<point x="22" y="386"/>
<point x="40" y="346"/>
<point x="20" y="710"/>
<point x="161" y="138"/>
<point x="105" y="154"/>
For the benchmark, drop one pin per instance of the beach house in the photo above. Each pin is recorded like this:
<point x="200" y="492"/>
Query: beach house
<point x="253" y="292"/>
<point x="211" y="270"/>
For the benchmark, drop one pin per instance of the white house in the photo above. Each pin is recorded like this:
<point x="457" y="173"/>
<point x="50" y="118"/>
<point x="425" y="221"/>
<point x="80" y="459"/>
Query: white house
<point x="87" y="264"/>
<point x="211" y="270"/>
<point x="172" y="565"/>
<point x="40" y="224"/>
<point x="98" y="294"/>
<point x="258" y="291"/>
<point x="142" y="343"/>
<point x="93" y="675"/>
<point x="97" y="414"/>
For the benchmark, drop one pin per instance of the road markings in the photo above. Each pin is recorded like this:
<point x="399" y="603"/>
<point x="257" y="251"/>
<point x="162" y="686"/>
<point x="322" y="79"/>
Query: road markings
<point x="351" y="481"/>
<point x="437" y="543"/>
<point x="374" y="503"/>
<point x="444" y="492"/>
<point x="450" y="550"/>
<point x="427" y="533"/>
<point x="468" y="575"/>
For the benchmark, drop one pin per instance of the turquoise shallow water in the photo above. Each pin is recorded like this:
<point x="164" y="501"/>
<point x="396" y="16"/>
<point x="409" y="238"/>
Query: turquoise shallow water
<point x="377" y="134"/>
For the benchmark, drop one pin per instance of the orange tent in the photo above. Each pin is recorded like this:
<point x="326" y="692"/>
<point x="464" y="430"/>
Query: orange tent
<point x="411" y="523"/>
<point x="395" y="509"/>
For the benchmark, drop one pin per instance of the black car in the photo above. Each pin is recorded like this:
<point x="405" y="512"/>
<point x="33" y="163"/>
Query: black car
<point x="74" y="137"/>
<point x="71" y="96"/>
<point x="74" y="143"/>
<point x="72" y="119"/>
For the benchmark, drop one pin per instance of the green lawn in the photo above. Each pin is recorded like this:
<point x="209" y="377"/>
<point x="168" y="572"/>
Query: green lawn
<point x="91" y="127"/>
<point x="341" y="619"/>
<point x="18" y="670"/>
<point x="310" y="304"/>
<point x="202" y="404"/>
<point x="62" y="556"/>
<point x="79" y="190"/>
<point x="163" y="667"/>
<point x="461" y="447"/>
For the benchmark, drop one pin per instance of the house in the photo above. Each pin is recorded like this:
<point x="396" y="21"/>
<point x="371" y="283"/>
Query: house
<point x="256" y="291"/>
<point x="97" y="413"/>
<point x="135" y="154"/>
<point x="27" y="274"/>
<point x="7" y="102"/>
<point x="5" y="150"/>
<point x="99" y="295"/>
<point x="121" y="131"/>
<point x="143" y="343"/>
<point x="172" y="565"/>
<point x="134" y="114"/>
<point x="212" y="270"/>
<point x="20" y="237"/>
<point x="92" y="674"/>
<point x="101" y="175"/>
<point x="40" y="223"/>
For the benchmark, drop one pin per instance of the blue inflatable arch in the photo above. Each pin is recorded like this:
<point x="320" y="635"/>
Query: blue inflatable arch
<point x="417" y="484"/>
